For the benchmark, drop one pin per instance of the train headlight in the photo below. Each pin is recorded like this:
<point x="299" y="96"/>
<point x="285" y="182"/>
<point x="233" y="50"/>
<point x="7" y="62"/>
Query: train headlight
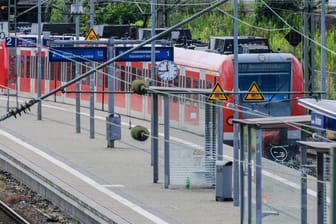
<point x="261" y="57"/>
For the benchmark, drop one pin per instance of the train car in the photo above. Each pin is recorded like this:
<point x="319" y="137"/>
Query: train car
<point x="3" y="65"/>
<point x="274" y="75"/>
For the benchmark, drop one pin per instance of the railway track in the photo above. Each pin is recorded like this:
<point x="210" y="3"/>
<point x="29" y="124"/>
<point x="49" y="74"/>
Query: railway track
<point x="9" y="216"/>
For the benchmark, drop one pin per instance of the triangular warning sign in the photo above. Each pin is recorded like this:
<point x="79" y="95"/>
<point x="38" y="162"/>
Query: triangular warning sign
<point x="91" y="35"/>
<point x="217" y="93"/>
<point x="254" y="93"/>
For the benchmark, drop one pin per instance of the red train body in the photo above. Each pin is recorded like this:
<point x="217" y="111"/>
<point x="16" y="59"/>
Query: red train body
<point x="271" y="72"/>
<point x="3" y="65"/>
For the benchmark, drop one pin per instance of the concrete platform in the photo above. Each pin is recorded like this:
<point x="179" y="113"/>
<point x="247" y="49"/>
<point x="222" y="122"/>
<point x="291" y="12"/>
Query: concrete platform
<point x="96" y="184"/>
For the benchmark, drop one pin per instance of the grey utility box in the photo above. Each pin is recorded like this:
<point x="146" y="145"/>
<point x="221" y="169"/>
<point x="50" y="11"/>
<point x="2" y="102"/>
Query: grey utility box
<point x="223" y="180"/>
<point x="113" y="127"/>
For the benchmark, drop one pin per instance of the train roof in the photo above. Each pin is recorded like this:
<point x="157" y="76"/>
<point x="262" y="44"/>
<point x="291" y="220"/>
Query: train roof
<point x="199" y="59"/>
<point x="213" y="61"/>
<point x="265" y="57"/>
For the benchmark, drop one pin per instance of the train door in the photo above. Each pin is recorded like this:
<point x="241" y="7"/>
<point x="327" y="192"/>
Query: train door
<point x="44" y="71"/>
<point x="120" y="85"/>
<point x="136" y="100"/>
<point x="3" y="65"/>
<point x="55" y="77"/>
<point x="85" y="82"/>
<point x="191" y="104"/>
<point x="156" y="82"/>
<point x="70" y="73"/>
<point x="174" y="105"/>
<point x="25" y="70"/>
<point x="182" y="80"/>
<point x="102" y="86"/>
<point x="127" y="85"/>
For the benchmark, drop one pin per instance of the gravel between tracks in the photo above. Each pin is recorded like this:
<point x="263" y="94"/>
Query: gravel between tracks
<point x="29" y="204"/>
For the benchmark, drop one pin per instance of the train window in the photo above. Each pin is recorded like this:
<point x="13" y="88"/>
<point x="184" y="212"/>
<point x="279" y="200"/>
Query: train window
<point x="42" y="67"/>
<point x="87" y="78"/>
<point x="158" y="81"/>
<point x="149" y="73"/>
<point x="188" y="82"/>
<point x="195" y="96"/>
<point x="100" y="78"/>
<point x="122" y="78"/>
<point x="73" y="70"/>
<point x="28" y="67"/>
<point x="59" y="71"/>
<point x="134" y="74"/>
<point x="175" y="82"/>
<point x="105" y="75"/>
<point x="68" y="70"/>
<point x="202" y="97"/>
<point x="117" y="77"/>
<point x="84" y="81"/>
<point x="188" y="85"/>
<point x="209" y="85"/>
<point x="139" y="72"/>
<point x="267" y="83"/>
<point x="196" y="83"/>
<point x="22" y="65"/>
<point x="52" y="70"/>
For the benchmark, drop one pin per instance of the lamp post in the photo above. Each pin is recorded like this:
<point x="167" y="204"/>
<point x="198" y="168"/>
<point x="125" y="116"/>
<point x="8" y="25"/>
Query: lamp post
<point x="39" y="21"/>
<point x="77" y="9"/>
<point x="323" y="51"/>
<point x="92" y="79"/>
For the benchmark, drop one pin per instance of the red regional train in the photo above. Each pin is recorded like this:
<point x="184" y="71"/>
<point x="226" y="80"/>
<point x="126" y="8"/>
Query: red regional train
<point x="273" y="74"/>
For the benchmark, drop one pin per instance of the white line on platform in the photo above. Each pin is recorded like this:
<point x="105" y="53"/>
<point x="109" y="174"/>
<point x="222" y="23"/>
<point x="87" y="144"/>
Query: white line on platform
<point x="113" y="185"/>
<point x="86" y="179"/>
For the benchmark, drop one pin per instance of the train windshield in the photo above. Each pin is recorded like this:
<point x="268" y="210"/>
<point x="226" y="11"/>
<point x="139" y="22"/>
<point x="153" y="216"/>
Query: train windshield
<point x="271" y="86"/>
<point x="268" y="85"/>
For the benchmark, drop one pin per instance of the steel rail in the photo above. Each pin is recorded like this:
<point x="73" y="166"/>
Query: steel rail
<point x="12" y="214"/>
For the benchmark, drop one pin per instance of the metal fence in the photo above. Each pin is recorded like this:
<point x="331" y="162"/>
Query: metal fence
<point x="192" y="162"/>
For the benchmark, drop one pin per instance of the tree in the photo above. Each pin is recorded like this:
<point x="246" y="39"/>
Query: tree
<point x="117" y="13"/>
<point x="286" y="8"/>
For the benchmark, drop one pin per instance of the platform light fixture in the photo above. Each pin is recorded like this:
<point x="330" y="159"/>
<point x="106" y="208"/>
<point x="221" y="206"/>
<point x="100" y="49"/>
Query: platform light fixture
<point x="77" y="9"/>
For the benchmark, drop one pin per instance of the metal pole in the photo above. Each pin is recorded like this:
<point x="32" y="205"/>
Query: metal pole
<point x="110" y="70"/>
<point x="235" y="115"/>
<point x="258" y="176"/>
<point x="249" y="176"/>
<point x="92" y="81"/>
<point x="308" y="44"/>
<point x="333" y="185"/>
<point x="154" y="98"/>
<point x="241" y="174"/>
<point x="323" y="53"/>
<point x="303" y="152"/>
<point x="220" y="130"/>
<point x="77" y="74"/>
<point x="166" y="141"/>
<point x="39" y="21"/>
<point x="320" y="185"/>
<point x="155" y="139"/>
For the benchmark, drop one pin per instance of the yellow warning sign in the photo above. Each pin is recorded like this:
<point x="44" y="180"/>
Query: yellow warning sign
<point x="254" y="93"/>
<point x="91" y="35"/>
<point x="217" y="93"/>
